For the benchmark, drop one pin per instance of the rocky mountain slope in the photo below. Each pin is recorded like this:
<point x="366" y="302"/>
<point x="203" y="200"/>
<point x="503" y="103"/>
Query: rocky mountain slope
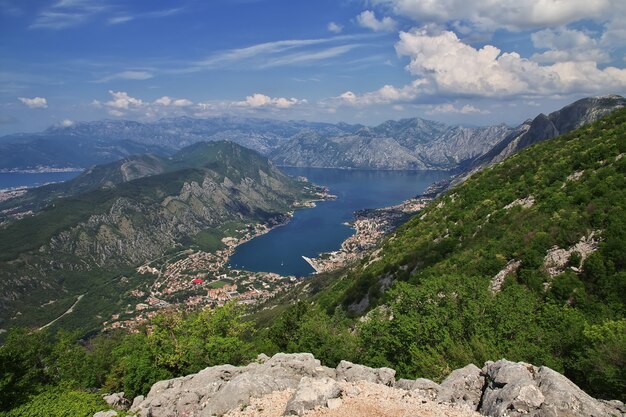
<point x="88" y="143"/>
<point x="405" y="144"/>
<point x="542" y="127"/>
<point x="80" y="243"/>
<point x="297" y="384"/>
<point x="524" y="260"/>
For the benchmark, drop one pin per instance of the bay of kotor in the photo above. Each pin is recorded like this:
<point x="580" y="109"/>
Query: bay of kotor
<point x="323" y="228"/>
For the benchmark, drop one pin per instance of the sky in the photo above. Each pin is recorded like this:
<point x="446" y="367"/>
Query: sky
<point x="464" y="62"/>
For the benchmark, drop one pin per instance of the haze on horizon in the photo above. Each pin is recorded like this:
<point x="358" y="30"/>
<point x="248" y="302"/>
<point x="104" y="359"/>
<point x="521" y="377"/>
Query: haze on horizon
<point x="357" y="61"/>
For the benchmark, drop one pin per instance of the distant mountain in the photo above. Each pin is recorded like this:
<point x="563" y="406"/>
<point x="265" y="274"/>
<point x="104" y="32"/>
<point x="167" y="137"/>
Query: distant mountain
<point x="120" y="215"/>
<point x="542" y="127"/>
<point x="405" y="144"/>
<point x="89" y="143"/>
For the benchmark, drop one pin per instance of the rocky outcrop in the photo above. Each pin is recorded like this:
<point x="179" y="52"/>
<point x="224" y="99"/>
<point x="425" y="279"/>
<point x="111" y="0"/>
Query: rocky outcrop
<point x="542" y="127"/>
<point x="520" y="389"/>
<point x="300" y="384"/>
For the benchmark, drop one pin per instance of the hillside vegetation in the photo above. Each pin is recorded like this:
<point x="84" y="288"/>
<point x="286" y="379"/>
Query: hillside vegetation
<point x="465" y="281"/>
<point x="440" y="312"/>
<point x="117" y="217"/>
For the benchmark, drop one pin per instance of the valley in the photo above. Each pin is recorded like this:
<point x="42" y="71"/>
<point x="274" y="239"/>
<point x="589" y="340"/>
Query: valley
<point x="168" y="264"/>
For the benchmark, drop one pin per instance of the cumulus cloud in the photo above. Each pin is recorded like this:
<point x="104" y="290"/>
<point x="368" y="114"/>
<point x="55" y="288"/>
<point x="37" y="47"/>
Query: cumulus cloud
<point x="385" y="95"/>
<point x="449" y="65"/>
<point x="507" y="14"/>
<point x="442" y="64"/>
<point x="168" y="101"/>
<point x="367" y="19"/>
<point x="450" y="108"/>
<point x="261" y="100"/>
<point x="66" y="123"/>
<point x="122" y="101"/>
<point x="334" y="27"/>
<point x="122" y="104"/>
<point x="35" y="102"/>
<point x="565" y="44"/>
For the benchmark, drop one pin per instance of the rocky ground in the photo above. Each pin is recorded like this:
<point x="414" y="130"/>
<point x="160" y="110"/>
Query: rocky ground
<point x="358" y="399"/>
<point x="297" y="384"/>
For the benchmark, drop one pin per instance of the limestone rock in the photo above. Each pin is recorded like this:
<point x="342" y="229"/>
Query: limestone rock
<point x="521" y="389"/>
<point x="424" y="387"/>
<point x="312" y="393"/>
<point x="463" y="386"/>
<point x="216" y="390"/>
<point x="350" y="372"/>
<point x="117" y="401"/>
<point x="110" y="413"/>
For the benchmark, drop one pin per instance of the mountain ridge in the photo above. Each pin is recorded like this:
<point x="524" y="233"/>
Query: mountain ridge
<point x="412" y="143"/>
<point x="93" y="236"/>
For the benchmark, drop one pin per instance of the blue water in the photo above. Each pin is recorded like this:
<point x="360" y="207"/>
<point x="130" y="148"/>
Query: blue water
<point x="321" y="229"/>
<point x="15" y="180"/>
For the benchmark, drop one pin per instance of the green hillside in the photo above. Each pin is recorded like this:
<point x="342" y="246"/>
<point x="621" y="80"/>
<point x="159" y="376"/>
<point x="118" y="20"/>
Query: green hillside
<point x="427" y="292"/>
<point x="428" y="298"/>
<point x="87" y="242"/>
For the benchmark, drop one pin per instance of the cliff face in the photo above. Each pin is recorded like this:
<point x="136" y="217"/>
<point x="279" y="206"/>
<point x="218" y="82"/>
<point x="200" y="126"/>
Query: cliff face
<point x="542" y="127"/>
<point x="297" y="384"/>
<point x="405" y="144"/>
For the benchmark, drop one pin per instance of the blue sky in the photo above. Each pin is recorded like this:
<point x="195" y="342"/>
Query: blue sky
<point x="361" y="61"/>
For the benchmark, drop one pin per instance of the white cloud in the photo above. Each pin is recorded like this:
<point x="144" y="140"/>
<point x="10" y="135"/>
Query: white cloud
<point x="122" y="101"/>
<point x="450" y="108"/>
<point x="444" y="65"/>
<point x="122" y="104"/>
<point x="301" y="58"/>
<point x="127" y="75"/>
<point x="334" y="27"/>
<point x="66" y="123"/>
<point x="451" y="66"/>
<point x="163" y="101"/>
<point x="168" y="101"/>
<point x="283" y="52"/>
<point x="35" y="102"/>
<point x="67" y="13"/>
<point x="507" y="14"/>
<point x="119" y="20"/>
<point x="182" y="102"/>
<point x="367" y="19"/>
<point x="261" y="100"/>
<point x="385" y="95"/>
<point x="565" y="44"/>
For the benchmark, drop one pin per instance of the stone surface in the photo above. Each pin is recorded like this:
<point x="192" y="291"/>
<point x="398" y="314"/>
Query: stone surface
<point x="312" y="393"/>
<point x="219" y="389"/>
<point x="348" y="371"/>
<point x="424" y="387"/>
<point x="521" y="389"/>
<point x="297" y="384"/>
<point x="110" y="413"/>
<point x="463" y="386"/>
<point x="117" y="401"/>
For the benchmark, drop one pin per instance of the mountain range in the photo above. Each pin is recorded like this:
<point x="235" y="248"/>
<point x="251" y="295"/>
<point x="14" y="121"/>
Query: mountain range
<point x="114" y="217"/>
<point x="415" y="144"/>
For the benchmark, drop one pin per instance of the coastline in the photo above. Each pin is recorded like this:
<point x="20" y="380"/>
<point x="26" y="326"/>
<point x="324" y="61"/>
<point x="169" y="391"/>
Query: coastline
<point x="371" y="226"/>
<point x="39" y="170"/>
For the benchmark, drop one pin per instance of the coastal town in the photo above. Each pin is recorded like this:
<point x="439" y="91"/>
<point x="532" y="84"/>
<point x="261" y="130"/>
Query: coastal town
<point x="192" y="278"/>
<point x="370" y="226"/>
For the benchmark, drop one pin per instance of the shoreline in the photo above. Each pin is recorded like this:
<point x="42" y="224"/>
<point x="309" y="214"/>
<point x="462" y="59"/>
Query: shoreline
<point x="371" y="226"/>
<point x="39" y="170"/>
